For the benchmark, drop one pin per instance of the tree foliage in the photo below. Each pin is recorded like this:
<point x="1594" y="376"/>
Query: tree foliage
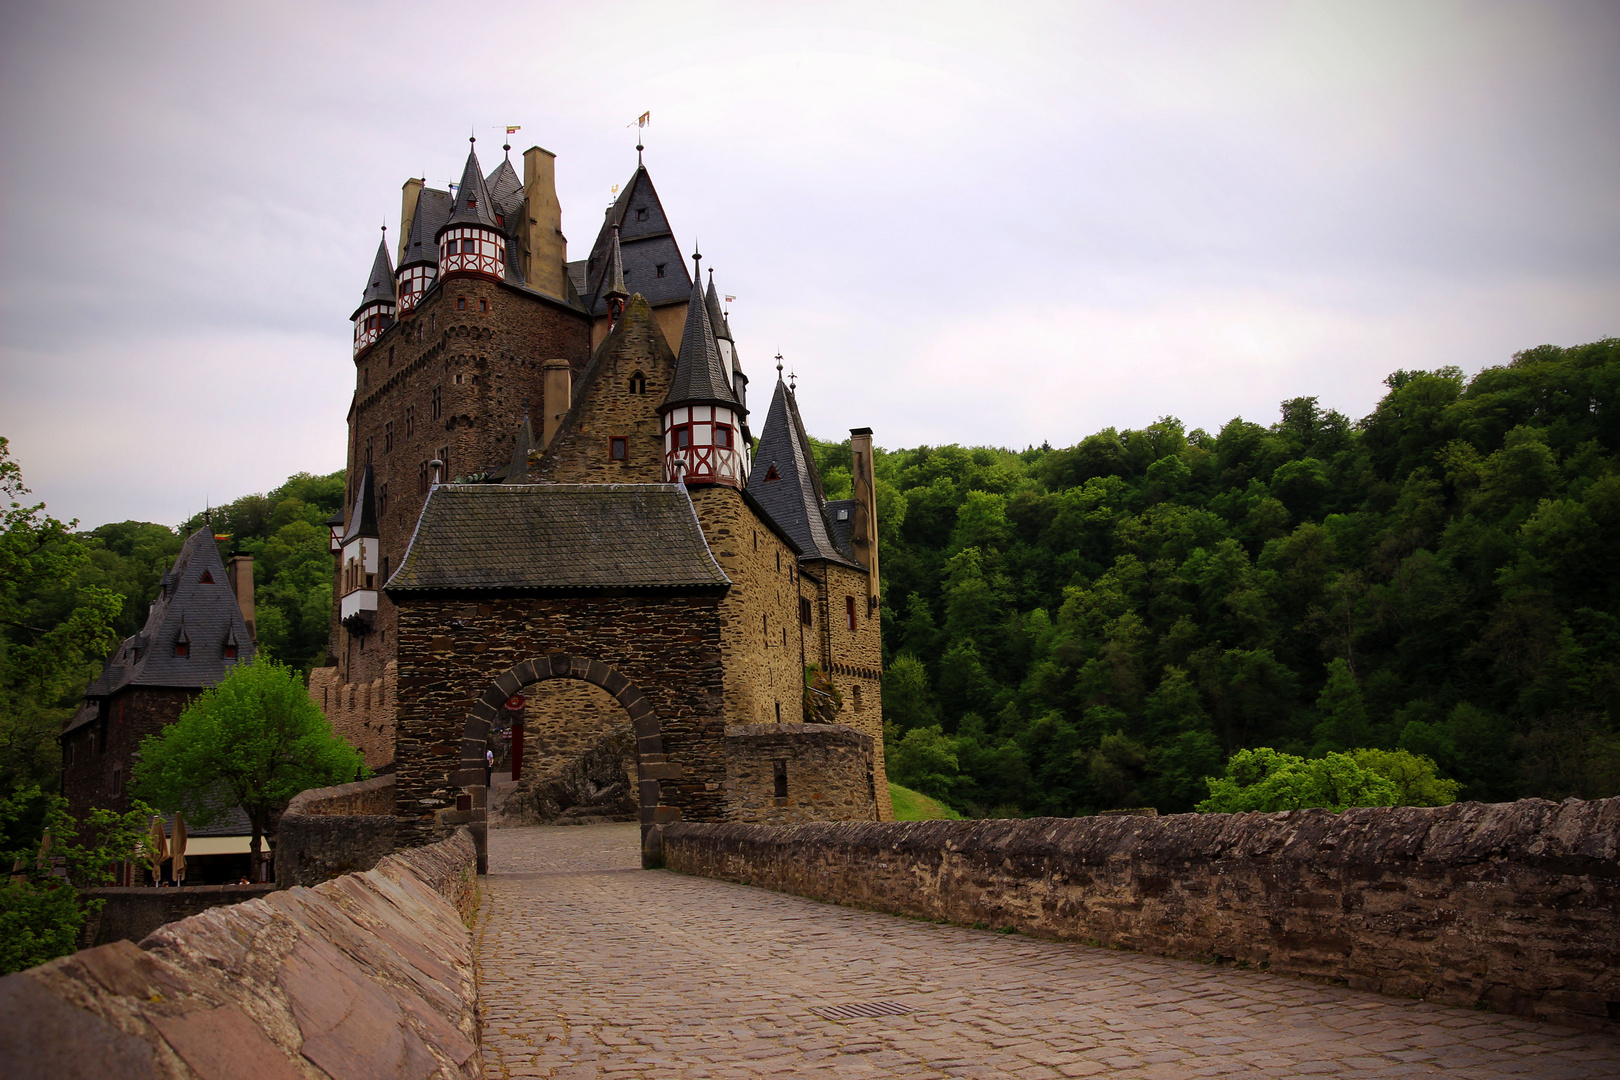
<point x="1106" y="624"/>
<point x="254" y="741"/>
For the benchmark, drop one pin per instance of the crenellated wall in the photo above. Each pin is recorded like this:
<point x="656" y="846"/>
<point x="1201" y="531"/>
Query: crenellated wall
<point x="367" y="975"/>
<point x="1511" y="906"/>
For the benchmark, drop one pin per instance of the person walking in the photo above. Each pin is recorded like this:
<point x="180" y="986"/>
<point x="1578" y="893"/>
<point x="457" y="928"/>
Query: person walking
<point x="489" y="765"/>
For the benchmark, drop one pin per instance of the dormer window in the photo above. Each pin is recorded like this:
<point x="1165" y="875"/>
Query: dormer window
<point x="660" y="268"/>
<point x="500" y="219"/>
<point x="771" y="474"/>
<point x="206" y="579"/>
<point x="472" y="204"/>
<point x="230" y="650"/>
<point x="641" y="213"/>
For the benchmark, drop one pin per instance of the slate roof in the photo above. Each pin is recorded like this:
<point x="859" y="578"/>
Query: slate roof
<point x="422" y="245"/>
<point x="558" y="539"/>
<point x="700" y="375"/>
<point x="645" y="243"/>
<point x="205" y="611"/>
<point x="613" y="280"/>
<point x="717" y="318"/>
<point x="794" y="499"/>
<point x="505" y="188"/>
<point x="380" y="285"/>
<point x="473" y="205"/>
<point x="363" y="516"/>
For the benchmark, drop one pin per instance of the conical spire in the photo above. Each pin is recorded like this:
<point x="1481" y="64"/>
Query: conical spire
<point x="380" y="286"/>
<point x="699" y="375"/>
<point x="613" y="282"/>
<point x="717" y="318"/>
<point x="363" y="518"/>
<point x="421" y="247"/>
<point x="518" y="471"/>
<point x="473" y="203"/>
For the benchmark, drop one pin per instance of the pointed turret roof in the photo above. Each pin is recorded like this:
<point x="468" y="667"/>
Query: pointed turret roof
<point x="700" y="377"/>
<point x="380" y="285"/>
<point x="717" y="318"/>
<point x="785" y="481"/>
<point x="517" y="471"/>
<point x="647" y="243"/>
<point x="505" y="188"/>
<point x="421" y="245"/>
<point x="613" y="280"/>
<point x="363" y="517"/>
<point x="473" y="203"/>
<point x="195" y="606"/>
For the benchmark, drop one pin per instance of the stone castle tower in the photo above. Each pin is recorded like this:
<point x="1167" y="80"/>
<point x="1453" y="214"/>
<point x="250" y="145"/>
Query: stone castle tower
<point x="719" y="606"/>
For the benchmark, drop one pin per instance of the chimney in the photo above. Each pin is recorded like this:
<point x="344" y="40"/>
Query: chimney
<point x="545" y="249"/>
<point x="557" y="396"/>
<point x="239" y="572"/>
<point x="408" y="197"/>
<point x="864" y="533"/>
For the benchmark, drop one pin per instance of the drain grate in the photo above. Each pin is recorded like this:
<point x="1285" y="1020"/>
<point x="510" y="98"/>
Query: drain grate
<point x="865" y="1008"/>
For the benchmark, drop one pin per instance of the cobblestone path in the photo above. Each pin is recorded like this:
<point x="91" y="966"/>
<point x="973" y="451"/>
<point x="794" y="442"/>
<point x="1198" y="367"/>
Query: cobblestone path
<point x="591" y="967"/>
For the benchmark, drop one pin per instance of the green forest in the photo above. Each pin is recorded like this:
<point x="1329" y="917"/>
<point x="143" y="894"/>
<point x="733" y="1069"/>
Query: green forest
<point x="1068" y="630"/>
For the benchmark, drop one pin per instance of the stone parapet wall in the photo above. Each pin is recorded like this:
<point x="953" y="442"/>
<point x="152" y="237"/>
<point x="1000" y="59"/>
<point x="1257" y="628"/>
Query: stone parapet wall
<point x="328" y="832"/>
<point x="129" y="913"/>
<point x="367" y="975"/>
<point x="361" y="714"/>
<point x="1512" y="906"/>
<point x="828" y="770"/>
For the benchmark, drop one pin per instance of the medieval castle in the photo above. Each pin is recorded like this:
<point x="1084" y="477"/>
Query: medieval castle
<point x="560" y="525"/>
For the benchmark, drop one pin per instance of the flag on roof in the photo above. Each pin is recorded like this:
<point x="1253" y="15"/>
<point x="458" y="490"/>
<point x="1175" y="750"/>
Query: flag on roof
<point x="513" y="129"/>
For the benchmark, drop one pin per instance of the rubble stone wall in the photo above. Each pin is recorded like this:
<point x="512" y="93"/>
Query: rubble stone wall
<point x="1510" y="906"/>
<point x="328" y="832"/>
<point x="367" y="975"/>
<point x="827" y="769"/>
<point x="129" y="913"/>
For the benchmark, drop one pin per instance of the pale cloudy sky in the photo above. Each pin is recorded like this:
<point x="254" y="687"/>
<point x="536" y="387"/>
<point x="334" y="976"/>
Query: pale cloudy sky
<point x="979" y="223"/>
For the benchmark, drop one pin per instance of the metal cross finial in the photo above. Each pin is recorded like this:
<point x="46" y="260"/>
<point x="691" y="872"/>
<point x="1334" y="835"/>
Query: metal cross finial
<point x="793" y="383"/>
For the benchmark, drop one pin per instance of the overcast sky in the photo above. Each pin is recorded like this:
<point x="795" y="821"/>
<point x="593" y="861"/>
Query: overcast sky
<point x="977" y="223"/>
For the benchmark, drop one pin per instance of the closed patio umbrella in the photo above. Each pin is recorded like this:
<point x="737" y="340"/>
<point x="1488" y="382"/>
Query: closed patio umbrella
<point x="178" y="844"/>
<point x="157" y="849"/>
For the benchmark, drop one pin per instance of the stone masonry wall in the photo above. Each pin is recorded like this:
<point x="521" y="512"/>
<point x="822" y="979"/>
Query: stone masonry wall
<point x="764" y="644"/>
<point x="367" y="975"/>
<point x="362" y="714"/>
<point x="328" y="832"/>
<point x="827" y="768"/>
<point x="107" y="745"/>
<point x="1513" y="906"/>
<point x="608" y="408"/>
<point x="855" y="662"/>
<point x="668" y="647"/>
<point x="450" y="376"/>
<point x="129" y="913"/>
<point x="564" y="718"/>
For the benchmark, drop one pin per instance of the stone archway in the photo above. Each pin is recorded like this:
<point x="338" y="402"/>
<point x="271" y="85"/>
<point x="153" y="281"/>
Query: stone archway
<point x="651" y="764"/>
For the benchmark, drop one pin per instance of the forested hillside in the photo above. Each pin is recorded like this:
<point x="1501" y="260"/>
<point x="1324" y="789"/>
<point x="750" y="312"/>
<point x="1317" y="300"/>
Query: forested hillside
<point x="1068" y="630"/>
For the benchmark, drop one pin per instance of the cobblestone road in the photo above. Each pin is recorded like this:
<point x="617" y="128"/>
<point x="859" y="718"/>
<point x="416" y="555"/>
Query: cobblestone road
<point x="591" y="967"/>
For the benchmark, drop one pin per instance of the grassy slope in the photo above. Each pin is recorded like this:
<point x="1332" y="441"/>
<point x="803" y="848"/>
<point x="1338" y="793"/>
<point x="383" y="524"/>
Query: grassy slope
<point x="914" y="806"/>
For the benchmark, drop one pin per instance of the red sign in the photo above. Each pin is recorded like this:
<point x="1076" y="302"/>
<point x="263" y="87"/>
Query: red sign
<point x="515" y="703"/>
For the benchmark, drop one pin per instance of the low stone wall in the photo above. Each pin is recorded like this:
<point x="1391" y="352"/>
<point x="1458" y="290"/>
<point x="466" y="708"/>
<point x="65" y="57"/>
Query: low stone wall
<point x="1512" y="906"/>
<point x="827" y="769"/>
<point x="327" y="832"/>
<point x="129" y="914"/>
<point x="367" y="975"/>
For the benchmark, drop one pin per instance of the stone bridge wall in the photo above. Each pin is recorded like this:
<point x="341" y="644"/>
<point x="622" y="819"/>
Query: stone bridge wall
<point x="129" y="913"/>
<point x="367" y="975"/>
<point x="328" y="832"/>
<point x="1513" y="906"/>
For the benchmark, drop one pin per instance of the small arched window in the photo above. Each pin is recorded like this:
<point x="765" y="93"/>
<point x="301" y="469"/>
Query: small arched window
<point x="638" y="383"/>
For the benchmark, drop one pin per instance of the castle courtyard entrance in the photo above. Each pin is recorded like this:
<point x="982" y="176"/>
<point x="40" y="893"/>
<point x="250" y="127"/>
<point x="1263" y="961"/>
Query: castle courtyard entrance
<point x="586" y="970"/>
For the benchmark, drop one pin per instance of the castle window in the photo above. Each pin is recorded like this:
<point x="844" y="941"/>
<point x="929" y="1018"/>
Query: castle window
<point x="660" y="268"/>
<point x="855" y="691"/>
<point x="779" y="768"/>
<point x="444" y="459"/>
<point x="118" y="782"/>
<point x="458" y="378"/>
<point x="433" y="321"/>
<point x="365" y="376"/>
<point x="722" y="436"/>
<point x="619" y="448"/>
<point x="778" y="560"/>
<point x="778" y="712"/>
<point x="436" y="406"/>
<point x="388" y="436"/>
<point x="461" y="303"/>
<point x="390" y="356"/>
<point x="368" y="450"/>
<point x="784" y="637"/>
<point x="382" y="498"/>
<point x="804" y="611"/>
<point x="410" y="419"/>
<point x="182" y="648"/>
<point x="765" y="626"/>
<point x="849" y="612"/>
<point x="638" y="383"/>
<point x="772" y="474"/>
<point x="385" y="569"/>
<point x="683" y="438"/>
<point x="483" y="305"/>
<point x="641" y="213"/>
<point x="422" y="479"/>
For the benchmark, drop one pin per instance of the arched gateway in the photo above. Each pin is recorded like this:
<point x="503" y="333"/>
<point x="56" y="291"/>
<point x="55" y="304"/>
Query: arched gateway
<point x="652" y="765"/>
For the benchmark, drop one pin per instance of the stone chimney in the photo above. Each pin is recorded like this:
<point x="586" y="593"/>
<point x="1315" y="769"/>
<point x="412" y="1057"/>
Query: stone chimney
<point x="239" y="572"/>
<point x="864" y="530"/>
<point x="408" y="197"/>
<point x="545" y="249"/>
<point x="558" y="396"/>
